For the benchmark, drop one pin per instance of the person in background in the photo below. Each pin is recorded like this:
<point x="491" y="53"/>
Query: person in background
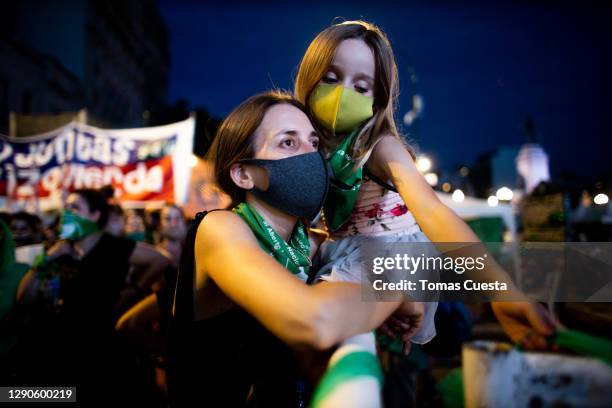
<point x="144" y="324"/>
<point x="172" y="231"/>
<point x="26" y="228"/>
<point x="116" y="220"/>
<point x="11" y="273"/>
<point x="73" y="291"/>
<point x="135" y="228"/>
<point x="152" y="219"/>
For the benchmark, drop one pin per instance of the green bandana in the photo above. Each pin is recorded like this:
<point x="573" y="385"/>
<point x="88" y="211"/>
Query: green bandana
<point x="293" y="255"/>
<point x="344" y="185"/>
<point x="138" y="236"/>
<point x="74" y="227"/>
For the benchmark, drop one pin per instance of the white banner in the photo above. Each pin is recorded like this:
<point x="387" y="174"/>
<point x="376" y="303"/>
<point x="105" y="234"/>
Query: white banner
<point x="146" y="166"/>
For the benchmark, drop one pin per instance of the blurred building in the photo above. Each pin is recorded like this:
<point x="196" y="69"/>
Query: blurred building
<point x="495" y="169"/>
<point x="110" y="57"/>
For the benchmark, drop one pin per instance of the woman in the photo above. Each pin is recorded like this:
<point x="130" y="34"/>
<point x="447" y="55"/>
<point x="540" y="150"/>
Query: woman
<point x="251" y="264"/>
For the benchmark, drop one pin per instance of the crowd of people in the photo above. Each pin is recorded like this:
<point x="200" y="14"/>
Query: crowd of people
<point x="71" y="312"/>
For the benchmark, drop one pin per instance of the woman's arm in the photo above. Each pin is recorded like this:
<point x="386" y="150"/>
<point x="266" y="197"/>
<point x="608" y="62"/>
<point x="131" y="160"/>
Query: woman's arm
<point x="28" y="288"/>
<point x="152" y="262"/>
<point x="138" y="323"/>
<point x="318" y="316"/>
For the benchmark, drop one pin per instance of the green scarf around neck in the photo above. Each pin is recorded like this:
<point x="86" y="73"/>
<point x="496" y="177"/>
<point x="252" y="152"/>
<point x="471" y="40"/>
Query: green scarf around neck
<point x="294" y="255"/>
<point x="344" y="185"/>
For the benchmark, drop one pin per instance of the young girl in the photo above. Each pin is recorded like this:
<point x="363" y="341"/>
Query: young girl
<point x="349" y="81"/>
<point x="244" y="277"/>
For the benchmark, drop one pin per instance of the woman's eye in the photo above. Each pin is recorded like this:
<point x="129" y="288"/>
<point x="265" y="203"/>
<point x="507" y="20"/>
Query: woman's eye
<point x="315" y="143"/>
<point x="288" y="143"/>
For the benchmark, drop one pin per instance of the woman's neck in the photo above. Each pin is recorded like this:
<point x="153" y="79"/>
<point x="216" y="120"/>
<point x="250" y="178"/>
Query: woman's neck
<point x="86" y="244"/>
<point x="282" y="222"/>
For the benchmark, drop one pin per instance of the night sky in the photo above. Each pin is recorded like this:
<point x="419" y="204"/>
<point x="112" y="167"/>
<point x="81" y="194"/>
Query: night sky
<point x="482" y="68"/>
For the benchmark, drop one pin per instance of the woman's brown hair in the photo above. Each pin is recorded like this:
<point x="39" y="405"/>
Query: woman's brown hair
<point x="235" y="139"/>
<point x="317" y="61"/>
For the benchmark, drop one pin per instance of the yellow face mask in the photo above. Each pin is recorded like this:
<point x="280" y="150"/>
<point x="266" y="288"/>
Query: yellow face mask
<point x="340" y="109"/>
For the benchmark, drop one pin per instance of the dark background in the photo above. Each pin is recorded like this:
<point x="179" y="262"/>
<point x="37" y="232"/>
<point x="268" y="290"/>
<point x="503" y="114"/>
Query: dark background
<point x="482" y="68"/>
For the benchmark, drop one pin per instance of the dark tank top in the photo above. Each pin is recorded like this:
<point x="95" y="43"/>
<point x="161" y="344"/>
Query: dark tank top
<point x="229" y="360"/>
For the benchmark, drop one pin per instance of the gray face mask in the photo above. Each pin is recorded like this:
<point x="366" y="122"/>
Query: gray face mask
<point x="297" y="185"/>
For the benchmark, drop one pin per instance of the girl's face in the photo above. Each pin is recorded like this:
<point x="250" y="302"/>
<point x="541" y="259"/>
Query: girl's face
<point x="285" y="131"/>
<point x="353" y="67"/>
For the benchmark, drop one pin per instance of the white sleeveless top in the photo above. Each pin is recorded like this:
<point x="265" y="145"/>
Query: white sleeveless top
<point x="377" y="212"/>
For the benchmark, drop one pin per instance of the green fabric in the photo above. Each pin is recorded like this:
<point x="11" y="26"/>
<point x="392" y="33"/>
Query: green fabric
<point x="294" y="255"/>
<point x="450" y="389"/>
<point x="11" y="273"/>
<point x="348" y="367"/>
<point x="344" y="186"/>
<point x="395" y="345"/>
<point x="585" y="344"/>
<point x="74" y="227"/>
<point x="487" y="229"/>
<point x="138" y="236"/>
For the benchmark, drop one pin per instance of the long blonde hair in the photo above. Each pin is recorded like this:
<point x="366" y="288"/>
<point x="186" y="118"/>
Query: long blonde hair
<point x="316" y="62"/>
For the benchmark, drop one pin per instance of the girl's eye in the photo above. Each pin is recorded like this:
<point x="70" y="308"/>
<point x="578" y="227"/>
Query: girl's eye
<point x="315" y="143"/>
<point x="361" y="89"/>
<point x="329" y="79"/>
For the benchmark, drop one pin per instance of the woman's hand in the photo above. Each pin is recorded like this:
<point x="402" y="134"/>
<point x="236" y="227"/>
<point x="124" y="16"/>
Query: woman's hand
<point x="525" y="323"/>
<point x="404" y="322"/>
<point x="60" y="248"/>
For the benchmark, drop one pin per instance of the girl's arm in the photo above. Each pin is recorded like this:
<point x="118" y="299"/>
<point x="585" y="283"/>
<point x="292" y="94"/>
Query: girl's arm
<point x="318" y="316"/>
<point x="391" y="160"/>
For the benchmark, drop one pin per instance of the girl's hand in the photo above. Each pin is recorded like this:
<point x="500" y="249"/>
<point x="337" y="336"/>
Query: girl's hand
<point x="405" y="322"/>
<point x="525" y="323"/>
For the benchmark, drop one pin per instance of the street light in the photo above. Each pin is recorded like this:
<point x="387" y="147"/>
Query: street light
<point x="458" y="196"/>
<point x="492" y="201"/>
<point x="432" y="179"/>
<point x="504" y="194"/>
<point x="423" y="164"/>
<point x="601" y="199"/>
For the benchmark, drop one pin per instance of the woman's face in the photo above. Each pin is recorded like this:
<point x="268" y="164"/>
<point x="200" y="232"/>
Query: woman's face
<point x="133" y="222"/>
<point x="353" y="67"/>
<point x="172" y="223"/>
<point x="285" y="131"/>
<point x="79" y="206"/>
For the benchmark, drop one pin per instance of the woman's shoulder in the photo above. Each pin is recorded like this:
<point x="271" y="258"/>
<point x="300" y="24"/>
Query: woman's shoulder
<point x="217" y="226"/>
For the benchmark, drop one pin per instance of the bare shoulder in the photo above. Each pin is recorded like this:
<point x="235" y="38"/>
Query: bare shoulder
<point x="388" y="149"/>
<point x="389" y="142"/>
<point x="220" y="227"/>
